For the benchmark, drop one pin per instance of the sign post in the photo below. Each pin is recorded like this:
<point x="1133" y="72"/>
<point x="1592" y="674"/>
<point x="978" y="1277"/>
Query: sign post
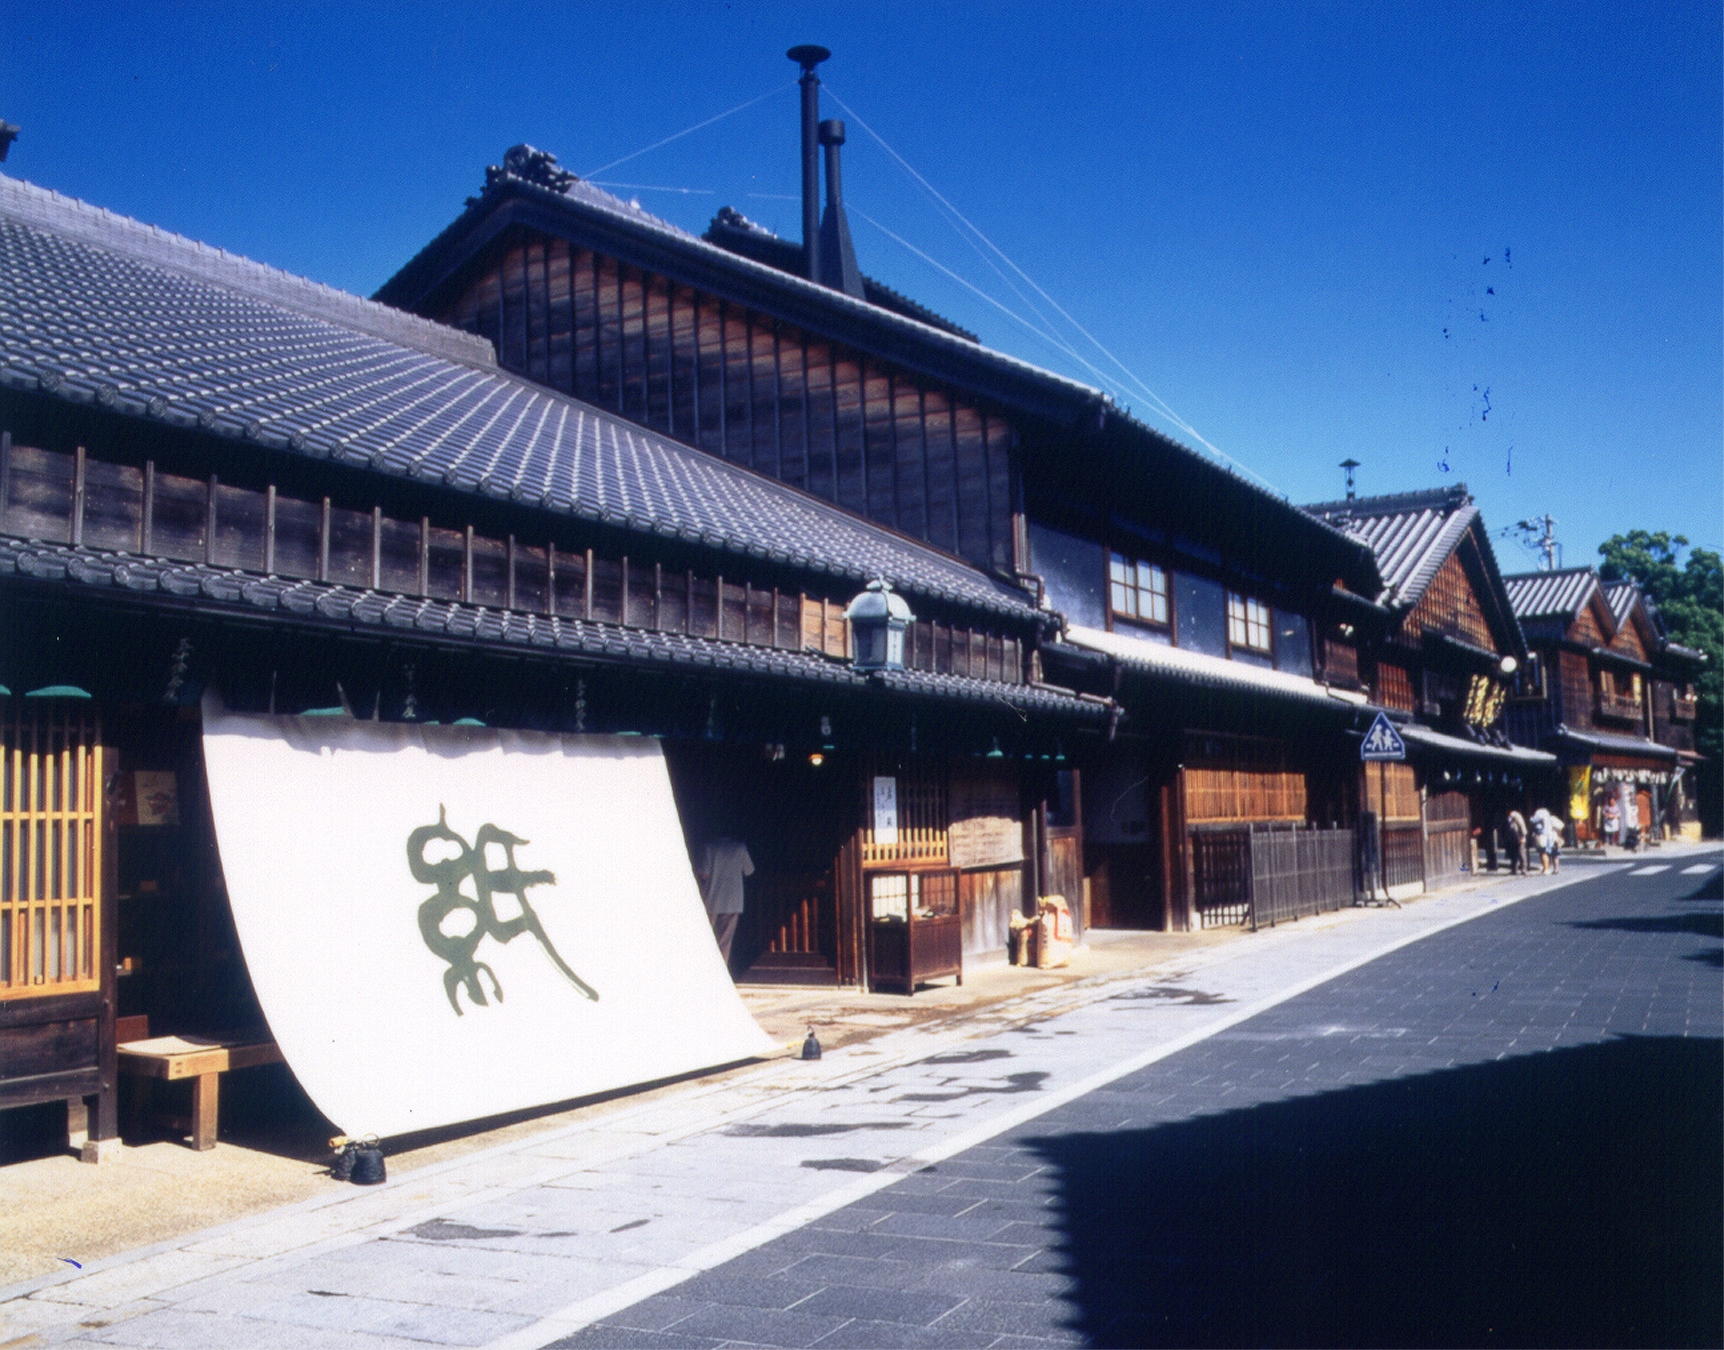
<point x="1383" y="745"/>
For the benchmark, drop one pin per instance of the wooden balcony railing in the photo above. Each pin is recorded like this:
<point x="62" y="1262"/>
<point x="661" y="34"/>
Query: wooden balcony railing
<point x="1682" y="709"/>
<point x="1621" y="707"/>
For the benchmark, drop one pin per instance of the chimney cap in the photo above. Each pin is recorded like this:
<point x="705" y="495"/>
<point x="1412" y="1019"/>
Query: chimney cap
<point x="832" y="132"/>
<point x="808" y="55"/>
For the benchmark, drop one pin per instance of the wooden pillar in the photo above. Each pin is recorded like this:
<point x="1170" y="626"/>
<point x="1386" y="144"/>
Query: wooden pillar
<point x="106" y="1125"/>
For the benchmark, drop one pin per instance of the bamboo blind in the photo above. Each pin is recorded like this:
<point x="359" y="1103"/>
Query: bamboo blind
<point x="50" y="850"/>
<point x="1241" y="778"/>
<point x="921" y="822"/>
<point x="1393" y="789"/>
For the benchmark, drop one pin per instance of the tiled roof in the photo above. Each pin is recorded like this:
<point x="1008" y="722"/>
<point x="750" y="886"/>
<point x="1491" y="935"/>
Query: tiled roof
<point x="1154" y="658"/>
<point x="96" y="308"/>
<point x="564" y="192"/>
<point x="1551" y="595"/>
<point x="1411" y="534"/>
<point x="1620" y="596"/>
<point x="1465" y="749"/>
<point x="328" y="603"/>
<point x="732" y="230"/>
<point x="1603" y="740"/>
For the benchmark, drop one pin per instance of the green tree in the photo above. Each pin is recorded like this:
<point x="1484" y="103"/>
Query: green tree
<point x="1689" y="596"/>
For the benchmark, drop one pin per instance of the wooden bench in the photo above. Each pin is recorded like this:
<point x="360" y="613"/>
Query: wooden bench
<point x="203" y="1059"/>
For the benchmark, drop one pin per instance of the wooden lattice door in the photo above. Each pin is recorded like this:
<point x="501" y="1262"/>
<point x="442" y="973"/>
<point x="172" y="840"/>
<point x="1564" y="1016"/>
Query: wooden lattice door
<point x="51" y="870"/>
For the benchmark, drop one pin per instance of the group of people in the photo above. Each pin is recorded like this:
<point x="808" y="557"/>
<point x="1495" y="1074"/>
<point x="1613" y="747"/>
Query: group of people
<point x="1544" y="831"/>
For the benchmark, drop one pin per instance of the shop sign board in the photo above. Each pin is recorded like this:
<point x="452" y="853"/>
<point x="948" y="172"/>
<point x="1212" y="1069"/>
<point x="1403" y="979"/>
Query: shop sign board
<point x="984" y="830"/>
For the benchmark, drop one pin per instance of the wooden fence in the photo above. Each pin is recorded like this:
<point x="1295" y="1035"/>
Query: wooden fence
<point x="1263" y="874"/>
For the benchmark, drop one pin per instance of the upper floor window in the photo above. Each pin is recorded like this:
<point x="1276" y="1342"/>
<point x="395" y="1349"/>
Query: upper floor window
<point x="1247" y="623"/>
<point x="1137" y="590"/>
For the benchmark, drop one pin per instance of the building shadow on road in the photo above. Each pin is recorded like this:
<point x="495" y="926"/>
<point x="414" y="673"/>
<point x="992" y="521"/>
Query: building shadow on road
<point x="1556" y="1199"/>
<point x="1706" y="923"/>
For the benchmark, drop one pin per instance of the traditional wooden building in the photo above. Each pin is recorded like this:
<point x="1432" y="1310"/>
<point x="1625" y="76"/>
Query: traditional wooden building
<point x="1586" y="694"/>
<point x="1444" y="664"/>
<point x="869" y="401"/>
<point x="1671" y="708"/>
<point x="218" y="478"/>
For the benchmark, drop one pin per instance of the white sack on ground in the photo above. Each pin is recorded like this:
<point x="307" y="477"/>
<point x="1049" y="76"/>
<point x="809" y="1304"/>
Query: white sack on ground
<point x="446" y="923"/>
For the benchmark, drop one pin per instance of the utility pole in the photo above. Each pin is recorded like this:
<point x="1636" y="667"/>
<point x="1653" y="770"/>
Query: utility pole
<point x="1540" y="533"/>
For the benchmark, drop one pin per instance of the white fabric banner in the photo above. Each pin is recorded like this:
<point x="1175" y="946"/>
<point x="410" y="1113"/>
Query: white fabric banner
<point x="447" y="923"/>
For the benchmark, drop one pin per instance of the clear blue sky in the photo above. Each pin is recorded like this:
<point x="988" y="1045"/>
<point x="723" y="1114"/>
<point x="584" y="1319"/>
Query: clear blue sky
<point x="1443" y="239"/>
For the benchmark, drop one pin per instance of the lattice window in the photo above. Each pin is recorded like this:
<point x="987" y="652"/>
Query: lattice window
<point x="922" y="820"/>
<point x="50" y="850"/>
<point x="1247" y="622"/>
<point x="1137" y="590"/>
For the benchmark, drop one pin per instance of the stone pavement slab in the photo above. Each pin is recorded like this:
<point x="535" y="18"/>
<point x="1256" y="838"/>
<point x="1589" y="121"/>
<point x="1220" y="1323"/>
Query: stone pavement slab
<point x="1536" y="1161"/>
<point x="642" y="1201"/>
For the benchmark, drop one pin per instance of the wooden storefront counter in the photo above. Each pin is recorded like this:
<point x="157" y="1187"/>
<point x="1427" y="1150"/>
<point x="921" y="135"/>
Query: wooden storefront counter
<point x="905" y="953"/>
<point x="203" y="1059"/>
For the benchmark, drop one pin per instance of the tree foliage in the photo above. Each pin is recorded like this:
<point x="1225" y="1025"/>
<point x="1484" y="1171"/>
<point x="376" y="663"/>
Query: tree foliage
<point x="1689" y="597"/>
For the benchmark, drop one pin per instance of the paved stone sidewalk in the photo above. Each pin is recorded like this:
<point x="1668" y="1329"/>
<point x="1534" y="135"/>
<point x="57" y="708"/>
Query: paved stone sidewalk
<point x="527" y="1243"/>
<point x="1505" y="1134"/>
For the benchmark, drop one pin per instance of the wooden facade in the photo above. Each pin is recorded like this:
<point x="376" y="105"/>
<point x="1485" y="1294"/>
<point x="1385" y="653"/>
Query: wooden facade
<point x="73" y="497"/>
<point x="744" y="385"/>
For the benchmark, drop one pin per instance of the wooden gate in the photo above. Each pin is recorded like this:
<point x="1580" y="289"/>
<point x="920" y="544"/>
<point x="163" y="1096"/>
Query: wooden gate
<point x="1448" y="822"/>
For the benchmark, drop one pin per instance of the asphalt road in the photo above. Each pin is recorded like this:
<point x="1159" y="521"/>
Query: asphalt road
<point x="1508" y="1133"/>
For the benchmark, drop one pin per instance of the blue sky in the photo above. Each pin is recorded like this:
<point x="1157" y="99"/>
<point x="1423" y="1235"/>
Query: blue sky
<point x="1454" y="242"/>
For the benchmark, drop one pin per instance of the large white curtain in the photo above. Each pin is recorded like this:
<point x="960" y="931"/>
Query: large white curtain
<point x="446" y="923"/>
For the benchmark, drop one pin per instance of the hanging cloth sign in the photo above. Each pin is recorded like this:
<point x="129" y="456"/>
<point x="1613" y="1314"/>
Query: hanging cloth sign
<point x="449" y="923"/>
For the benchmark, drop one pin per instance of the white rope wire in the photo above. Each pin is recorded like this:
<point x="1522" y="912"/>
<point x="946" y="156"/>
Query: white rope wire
<point x="1052" y="339"/>
<point x="651" y="187"/>
<point x="1160" y="404"/>
<point x="688" y="131"/>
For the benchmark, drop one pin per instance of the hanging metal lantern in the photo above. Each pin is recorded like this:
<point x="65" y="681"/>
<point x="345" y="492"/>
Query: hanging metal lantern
<point x="878" y="618"/>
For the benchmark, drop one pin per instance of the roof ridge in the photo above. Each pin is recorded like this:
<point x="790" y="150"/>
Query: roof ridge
<point x="38" y="207"/>
<point x="1392" y="503"/>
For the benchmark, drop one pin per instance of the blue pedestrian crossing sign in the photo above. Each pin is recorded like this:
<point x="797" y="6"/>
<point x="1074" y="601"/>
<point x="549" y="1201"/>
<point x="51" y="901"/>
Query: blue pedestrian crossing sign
<point x="1382" y="741"/>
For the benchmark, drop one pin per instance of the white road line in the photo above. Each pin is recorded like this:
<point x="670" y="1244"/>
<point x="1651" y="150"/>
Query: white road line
<point x="1651" y="871"/>
<point x="1698" y="868"/>
<point x="584" y="1312"/>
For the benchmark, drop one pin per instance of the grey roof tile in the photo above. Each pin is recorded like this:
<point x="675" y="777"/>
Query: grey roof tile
<point x="244" y="592"/>
<point x="198" y="338"/>
<point x="1411" y="535"/>
<point x="1551" y="595"/>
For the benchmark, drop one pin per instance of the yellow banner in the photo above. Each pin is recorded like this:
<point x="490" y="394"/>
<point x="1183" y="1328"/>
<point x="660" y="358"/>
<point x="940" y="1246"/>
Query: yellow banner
<point x="1580" y="793"/>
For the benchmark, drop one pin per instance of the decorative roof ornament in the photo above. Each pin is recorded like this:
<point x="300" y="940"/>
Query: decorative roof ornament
<point x="526" y="164"/>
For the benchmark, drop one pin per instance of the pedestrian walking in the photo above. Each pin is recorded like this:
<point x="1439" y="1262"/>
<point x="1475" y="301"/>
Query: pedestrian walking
<point x="1518" y="830"/>
<point x="1547" y="835"/>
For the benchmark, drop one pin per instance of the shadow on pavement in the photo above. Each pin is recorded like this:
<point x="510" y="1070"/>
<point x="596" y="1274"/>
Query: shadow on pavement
<point x="1710" y="889"/>
<point x="1706" y="924"/>
<point x="1565" y="1198"/>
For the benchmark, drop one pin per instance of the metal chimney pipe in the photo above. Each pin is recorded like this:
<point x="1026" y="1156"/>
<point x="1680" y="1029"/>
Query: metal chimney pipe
<point x="809" y="56"/>
<point x="831" y="137"/>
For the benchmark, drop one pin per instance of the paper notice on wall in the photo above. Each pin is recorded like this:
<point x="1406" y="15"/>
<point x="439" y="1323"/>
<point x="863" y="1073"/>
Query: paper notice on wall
<point x="448" y="923"/>
<point x="885" y="810"/>
<point x="985" y="830"/>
